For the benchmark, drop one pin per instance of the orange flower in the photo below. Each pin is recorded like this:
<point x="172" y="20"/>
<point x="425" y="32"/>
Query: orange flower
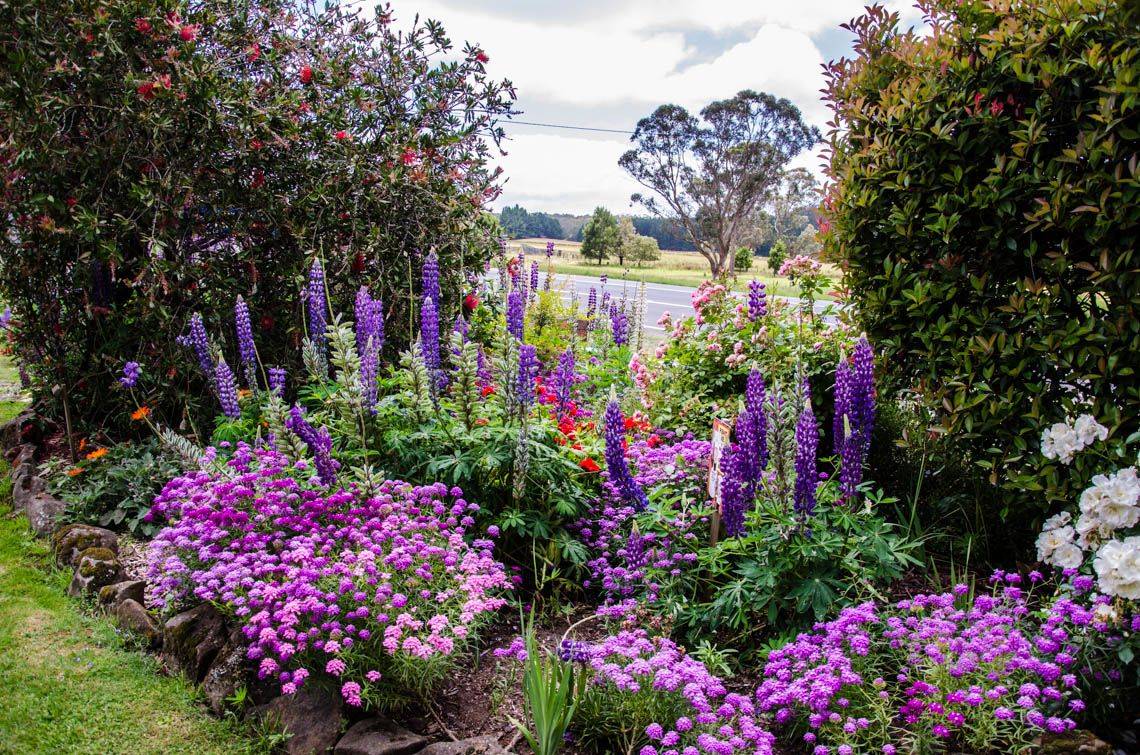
<point x="141" y="413"/>
<point x="243" y="393"/>
<point x="74" y="471"/>
<point x="82" y="444"/>
<point x="98" y="453"/>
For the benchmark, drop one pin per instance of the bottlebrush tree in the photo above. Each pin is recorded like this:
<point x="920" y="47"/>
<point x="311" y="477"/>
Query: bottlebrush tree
<point x="985" y="208"/>
<point x="160" y="157"/>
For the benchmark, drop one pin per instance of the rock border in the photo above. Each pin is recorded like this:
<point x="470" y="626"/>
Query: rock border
<point x="198" y="642"/>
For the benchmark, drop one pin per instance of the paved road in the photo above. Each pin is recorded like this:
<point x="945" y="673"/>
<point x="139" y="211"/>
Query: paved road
<point x="659" y="297"/>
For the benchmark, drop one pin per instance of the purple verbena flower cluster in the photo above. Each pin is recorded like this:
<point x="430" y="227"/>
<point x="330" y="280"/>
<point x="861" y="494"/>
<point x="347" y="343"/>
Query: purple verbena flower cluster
<point x="342" y="584"/>
<point x="935" y="667"/>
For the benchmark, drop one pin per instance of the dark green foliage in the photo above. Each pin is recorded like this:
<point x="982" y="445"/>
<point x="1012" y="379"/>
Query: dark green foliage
<point x="520" y="224"/>
<point x="600" y="236"/>
<point x="777" y="255"/>
<point x="986" y="207"/>
<point x="743" y="259"/>
<point x="161" y="157"/>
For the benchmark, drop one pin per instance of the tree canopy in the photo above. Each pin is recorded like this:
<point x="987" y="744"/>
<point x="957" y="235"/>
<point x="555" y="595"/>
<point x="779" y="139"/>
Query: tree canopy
<point x="600" y="236"/>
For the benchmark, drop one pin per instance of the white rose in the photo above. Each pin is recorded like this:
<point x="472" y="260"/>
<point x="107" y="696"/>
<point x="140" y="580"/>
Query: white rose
<point x="1117" y="565"/>
<point x="1068" y="556"/>
<point x="1057" y="521"/>
<point x="1091" y="530"/>
<point x="1051" y="541"/>
<point x="1112" y="499"/>
<point x="1088" y="429"/>
<point x="1060" y="442"/>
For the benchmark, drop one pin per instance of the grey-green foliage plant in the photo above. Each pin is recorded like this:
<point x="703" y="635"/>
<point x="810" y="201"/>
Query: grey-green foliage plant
<point x="551" y="690"/>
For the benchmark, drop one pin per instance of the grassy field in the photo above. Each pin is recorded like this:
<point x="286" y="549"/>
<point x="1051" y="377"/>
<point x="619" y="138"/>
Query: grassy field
<point x="69" y="683"/>
<point x="675" y="268"/>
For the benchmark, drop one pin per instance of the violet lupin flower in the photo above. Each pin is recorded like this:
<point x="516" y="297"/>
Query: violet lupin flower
<point x="807" y="445"/>
<point x="196" y="339"/>
<point x="483" y="370"/>
<point x="362" y="318"/>
<point x="564" y="379"/>
<point x="528" y="370"/>
<point x="734" y="491"/>
<point x="516" y="312"/>
<point x="429" y="334"/>
<point x="6" y="318"/>
<point x="549" y="249"/>
<point x="430" y="275"/>
<point x="246" y="349"/>
<point x="854" y="415"/>
<point x="318" y="311"/>
<point x="746" y="452"/>
<point x="130" y="376"/>
<point x="533" y="290"/>
<point x="592" y="303"/>
<point x="225" y="385"/>
<point x="755" y="399"/>
<point x="619" y="324"/>
<point x="757" y="300"/>
<point x="319" y="443"/>
<point x="616" y="466"/>
<point x="277" y="381"/>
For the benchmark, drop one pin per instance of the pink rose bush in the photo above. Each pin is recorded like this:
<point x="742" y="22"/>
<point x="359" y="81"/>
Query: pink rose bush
<point x="368" y="586"/>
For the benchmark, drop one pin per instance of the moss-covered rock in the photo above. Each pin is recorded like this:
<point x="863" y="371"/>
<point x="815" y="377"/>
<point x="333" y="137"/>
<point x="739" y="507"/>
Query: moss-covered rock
<point x="97" y="568"/>
<point x="43" y="511"/>
<point x="131" y="589"/>
<point x="131" y="616"/>
<point x="192" y="639"/>
<point x="69" y="542"/>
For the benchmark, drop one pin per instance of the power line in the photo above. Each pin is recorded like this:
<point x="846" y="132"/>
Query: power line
<point x="572" y="128"/>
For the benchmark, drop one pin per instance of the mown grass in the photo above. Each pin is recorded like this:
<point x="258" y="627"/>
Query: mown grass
<point x="69" y="683"/>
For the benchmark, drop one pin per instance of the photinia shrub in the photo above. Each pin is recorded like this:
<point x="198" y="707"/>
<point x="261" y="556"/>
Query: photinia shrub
<point x="984" y="208"/>
<point x="375" y="588"/>
<point x="161" y="157"/>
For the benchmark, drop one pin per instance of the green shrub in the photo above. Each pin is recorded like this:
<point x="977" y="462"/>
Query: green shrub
<point x="743" y="259"/>
<point x="777" y="255"/>
<point x="161" y="157"/>
<point x="985" y="209"/>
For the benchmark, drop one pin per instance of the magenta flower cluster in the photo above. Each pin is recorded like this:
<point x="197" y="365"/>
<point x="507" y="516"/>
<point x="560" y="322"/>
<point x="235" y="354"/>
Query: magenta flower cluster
<point x="699" y="715"/>
<point x="349" y="584"/>
<point x="932" y="668"/>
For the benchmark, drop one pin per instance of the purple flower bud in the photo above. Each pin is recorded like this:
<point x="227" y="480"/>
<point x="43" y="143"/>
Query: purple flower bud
<point x="196" y="339"/>
<point x="319" y="443"/>
<point x="130" y="376"/>
<point x="757" y="300"/>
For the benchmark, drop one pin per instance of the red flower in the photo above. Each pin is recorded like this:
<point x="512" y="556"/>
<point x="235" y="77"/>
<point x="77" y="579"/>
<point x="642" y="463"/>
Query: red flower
<point x="481" y="57"/>
<point x="488" y="390"/>
<point x="189" y="32"/>
<point x="146" y="90"/>
<point x="342" y="135"/>
<point x="142" y="26"/>
<point x="629" y="423"/>
<point x="254" y="52"/>
<point x="358" y="263"/>
<point x="306" y="74"/>
<point x="255" y="144"/>
<point x="589" y="465"/>
<point x="470" y="303"/>
<point x="996" y="107"/>
<point x="566" y="426"/>
<point x="653" y="441"/>
<point x="409" y="156"/>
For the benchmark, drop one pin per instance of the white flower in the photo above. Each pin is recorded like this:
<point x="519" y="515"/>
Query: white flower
<point x="1057" y="521"/>
<point x="1117" y="565"/>
<point x="1088" y="429"/>
<point x="1112" y="499"/>
<point x="1060" y="442"/>
<point x="1106" y="614"/>
<point x="1091" y="530"/>
<point x="1055" y="546"/>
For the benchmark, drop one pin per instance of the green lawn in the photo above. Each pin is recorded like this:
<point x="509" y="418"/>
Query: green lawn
<point x="69" y="683"/>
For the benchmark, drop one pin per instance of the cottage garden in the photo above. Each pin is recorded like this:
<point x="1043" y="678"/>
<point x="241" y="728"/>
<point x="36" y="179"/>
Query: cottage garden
<point x="920" y="534"/>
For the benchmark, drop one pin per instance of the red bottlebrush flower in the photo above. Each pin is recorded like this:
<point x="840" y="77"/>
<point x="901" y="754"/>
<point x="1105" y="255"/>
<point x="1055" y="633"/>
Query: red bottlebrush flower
<point x="589" y="465"/>
<point x="409" y="156"/>
<point x="255" y="144"/>
<point x="996" y="107"/>
<point x="306" y="74"/>
<point x="470" y="303"/>
<point x="341" y="135"/>
<point x="254" y="52"/>
<point x="146" y="90"/>
<point x="258" y="179"/>
<point x="488" y="390"/>
<point x="143" y="26"/>
<point x="72" y="201"/>
<point x="188" y="33"/>
<point x="481" y="57"/>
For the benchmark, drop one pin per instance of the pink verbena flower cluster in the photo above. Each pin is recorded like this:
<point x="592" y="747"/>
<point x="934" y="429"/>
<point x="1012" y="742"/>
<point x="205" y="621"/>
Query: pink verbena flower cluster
<point x="666" y="699"/>
<point x="935" y="668"/>
<point x="359" y="585"/>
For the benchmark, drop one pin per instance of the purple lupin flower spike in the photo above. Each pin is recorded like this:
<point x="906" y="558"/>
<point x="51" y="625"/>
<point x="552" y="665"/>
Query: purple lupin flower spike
<point x="528" y="370"/>
<point x="318" y="311"/>
<point x="277" y="381"/>
<point x="6" y="318"/>
<point x="429" y="334"/>
<point x="246" y="348"/>
<point x="516" y="312"/>
<point x="549" y="249"/>
<point x="616" y="466"/>
<point x="486" y="378"/>
<point x="533" y="290"/>
<point x="319" y="443"/>
<point x="564" y="379"/>
<point x="362" y="318"/>
<point x="807" y="446"/>
<point x="592" y="302"/>
<point x="196" y="339"/>
<point x="755" y="397"/>
<point x="854" y="415"/>
<point x="734" y="491"/>
<point x="130" y="376"/>
<point x="226" y="387"/>
<point x="757" y="300"/>
<point x="619" y="324"/>
<point x="430" y="274"/>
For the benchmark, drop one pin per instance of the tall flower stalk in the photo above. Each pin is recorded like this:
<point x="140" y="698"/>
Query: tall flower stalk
<point x="225" y="385"/>
<point x="616" y="465"/>
<point x="246" y="348"/>
<point x="807" y="445"/>
<point x="319" y="443"/>
<point x="318" y="307"/>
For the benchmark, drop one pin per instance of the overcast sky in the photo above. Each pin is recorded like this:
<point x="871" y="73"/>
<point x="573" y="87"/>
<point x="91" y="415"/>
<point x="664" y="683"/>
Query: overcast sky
<point x="608" y="63"/>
